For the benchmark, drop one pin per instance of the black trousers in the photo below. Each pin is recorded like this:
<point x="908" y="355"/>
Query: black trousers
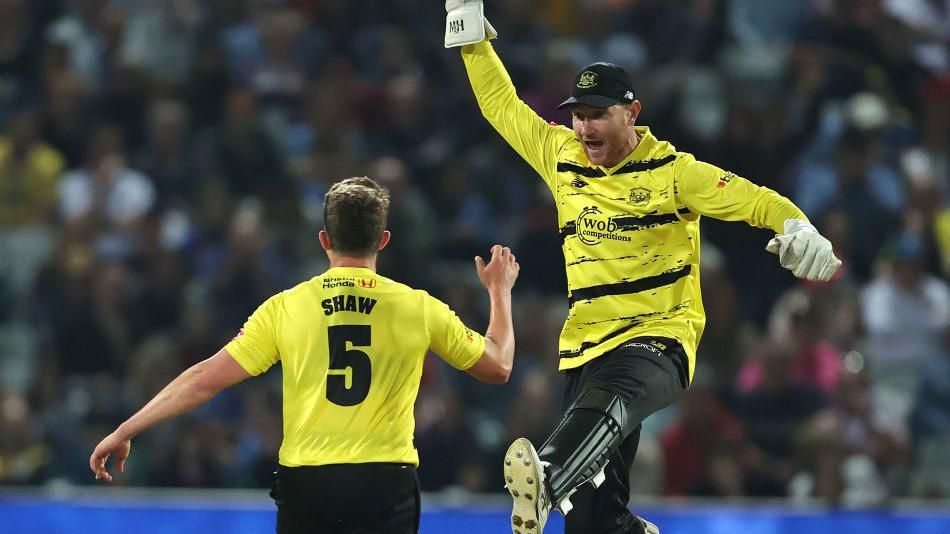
<point x="648" y="373"/>
<point x="372" y="498"/>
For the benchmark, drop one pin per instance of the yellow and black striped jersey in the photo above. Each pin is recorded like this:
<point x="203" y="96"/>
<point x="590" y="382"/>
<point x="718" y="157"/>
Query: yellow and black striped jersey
<point x="352" y="344"/>
<point x="630" y="233"/>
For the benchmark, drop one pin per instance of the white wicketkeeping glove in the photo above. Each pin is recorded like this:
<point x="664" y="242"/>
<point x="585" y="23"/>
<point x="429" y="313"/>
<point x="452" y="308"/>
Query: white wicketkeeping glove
<point x="465" y="23"/>
<point x="802" y="250"/>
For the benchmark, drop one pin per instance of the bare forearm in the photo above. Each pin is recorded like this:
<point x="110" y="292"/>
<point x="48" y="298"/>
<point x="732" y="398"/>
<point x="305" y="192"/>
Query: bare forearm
<point x="500" y="328"/>
<point x="181" y="395"/>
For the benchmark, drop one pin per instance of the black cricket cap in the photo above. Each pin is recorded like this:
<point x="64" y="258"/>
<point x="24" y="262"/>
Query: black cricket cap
<point x="601" y="85"/>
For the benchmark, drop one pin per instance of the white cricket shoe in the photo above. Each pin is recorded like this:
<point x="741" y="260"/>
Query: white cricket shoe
<point x="524" y="478"/>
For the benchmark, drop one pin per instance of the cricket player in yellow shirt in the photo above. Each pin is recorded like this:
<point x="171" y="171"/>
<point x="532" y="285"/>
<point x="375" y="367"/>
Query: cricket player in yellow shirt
<point x="628" y="210"/>
<point x="352" y="345"/>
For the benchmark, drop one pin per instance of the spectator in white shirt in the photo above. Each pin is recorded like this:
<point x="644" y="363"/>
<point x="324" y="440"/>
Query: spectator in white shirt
<point x="104" y="187"/>
<point x="905" y="312"/>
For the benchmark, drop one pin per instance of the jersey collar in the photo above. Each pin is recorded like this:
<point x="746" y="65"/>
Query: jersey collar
<point x="353" y="270"/>
<point x="643" y="150"/>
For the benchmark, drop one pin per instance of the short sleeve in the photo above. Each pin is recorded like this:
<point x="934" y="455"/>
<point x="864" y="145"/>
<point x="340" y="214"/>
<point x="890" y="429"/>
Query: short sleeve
<point x="454" y="342"/>
<point x="255" y="346"/>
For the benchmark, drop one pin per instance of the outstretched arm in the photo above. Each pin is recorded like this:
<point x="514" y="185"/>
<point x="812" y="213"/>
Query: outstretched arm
<point x="194" y="387"/>
<point x="709" y="190"/>
<point x="528" y="134"/>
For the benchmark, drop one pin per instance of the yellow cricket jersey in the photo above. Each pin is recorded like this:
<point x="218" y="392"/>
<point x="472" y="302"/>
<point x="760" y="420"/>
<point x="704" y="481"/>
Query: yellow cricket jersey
<point x="28" y="187"/>
<point x="352" y="345"/>
<point x="630" y="233"/>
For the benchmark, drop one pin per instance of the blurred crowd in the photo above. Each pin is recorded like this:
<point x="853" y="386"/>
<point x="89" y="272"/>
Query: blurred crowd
<point x="162" y="171"/>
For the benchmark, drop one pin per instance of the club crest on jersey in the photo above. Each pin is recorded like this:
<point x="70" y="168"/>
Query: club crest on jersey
<point x="368" y="283"/>
<point x="587" y="79"/>
<point x="639" y="196"/>
<point x="592" y="227"/>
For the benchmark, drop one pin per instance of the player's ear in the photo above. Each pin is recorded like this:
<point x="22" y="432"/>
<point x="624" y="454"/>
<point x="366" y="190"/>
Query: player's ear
<point x="384" y="240"/>
<point x="634" y="109"/>
<point x="324" y="238"/>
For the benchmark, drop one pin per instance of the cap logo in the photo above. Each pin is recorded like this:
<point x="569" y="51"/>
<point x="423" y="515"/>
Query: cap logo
<point x="628" y="95"/>
<point x="587" y="79"/>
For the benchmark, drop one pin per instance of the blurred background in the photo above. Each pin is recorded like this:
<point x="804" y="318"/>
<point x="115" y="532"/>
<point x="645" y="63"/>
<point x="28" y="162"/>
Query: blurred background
<point x="163" y="165"/>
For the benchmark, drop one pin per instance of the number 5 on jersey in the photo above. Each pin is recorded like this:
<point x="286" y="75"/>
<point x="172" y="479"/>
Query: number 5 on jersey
<point x="350" y="369"/>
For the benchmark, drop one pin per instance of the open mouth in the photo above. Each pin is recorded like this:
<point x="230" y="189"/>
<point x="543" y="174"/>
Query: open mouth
<point x="594" y="144"/>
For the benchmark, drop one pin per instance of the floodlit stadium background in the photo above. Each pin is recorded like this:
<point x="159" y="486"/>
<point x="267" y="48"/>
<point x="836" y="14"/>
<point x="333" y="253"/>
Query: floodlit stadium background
<point x="220" y="124"/>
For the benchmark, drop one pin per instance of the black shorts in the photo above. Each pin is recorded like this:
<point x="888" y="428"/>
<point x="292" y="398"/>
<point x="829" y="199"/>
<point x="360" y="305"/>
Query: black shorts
<point x="648" y="373"/>
<point x="372" y="498"/>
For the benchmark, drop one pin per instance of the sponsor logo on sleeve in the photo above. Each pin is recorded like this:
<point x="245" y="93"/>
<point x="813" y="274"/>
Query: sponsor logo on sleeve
<point x="725" y="179"/>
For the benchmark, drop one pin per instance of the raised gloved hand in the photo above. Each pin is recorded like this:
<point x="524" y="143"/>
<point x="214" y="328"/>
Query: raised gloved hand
<point x="805" y="252"/>
<point x="465" y="23"/>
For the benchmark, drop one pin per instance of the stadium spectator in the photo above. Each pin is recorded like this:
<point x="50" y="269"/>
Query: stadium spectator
<point x="931" y="414"/>
<point x="906" y="312"/>
<point x="25" y="456"/>
<point x="815" y="361"/>
<point x="169" y="156"/>
<point x="772" y="414"/>
<point x="29" y="171"/>
<point x="707" y="444"/>
<point x="930" y="427"/>
<point x="851" y="453"/>
<point x="447" y="443"/>
<point x="105" y="199"/>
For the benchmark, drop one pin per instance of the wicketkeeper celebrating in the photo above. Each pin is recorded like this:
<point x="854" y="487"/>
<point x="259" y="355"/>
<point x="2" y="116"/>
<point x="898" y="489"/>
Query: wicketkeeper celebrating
<point x="629" y="207"/>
